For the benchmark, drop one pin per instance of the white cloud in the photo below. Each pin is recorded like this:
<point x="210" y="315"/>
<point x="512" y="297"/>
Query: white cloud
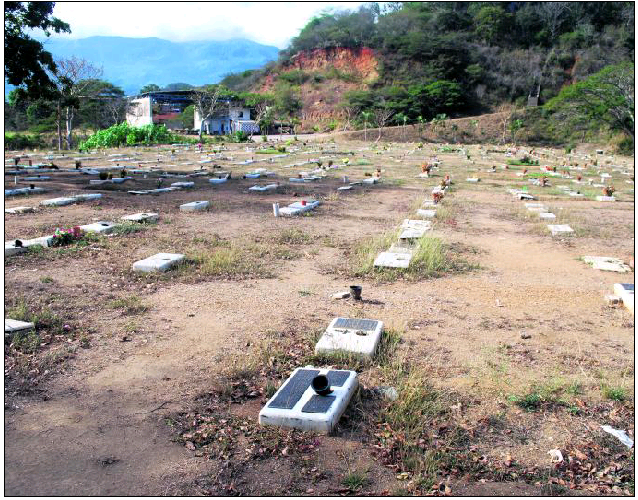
<point x="270" y="23"/>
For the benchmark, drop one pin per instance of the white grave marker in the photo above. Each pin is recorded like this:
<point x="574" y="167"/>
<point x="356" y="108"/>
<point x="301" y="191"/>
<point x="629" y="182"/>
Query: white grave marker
<point x="194" y="206"/>
<point x="358" y="336"/>
<point x="607" y="264"/>
<point x="559" y="229"/>
<point x="158" y="262"/>
<point x="297" y="405"/>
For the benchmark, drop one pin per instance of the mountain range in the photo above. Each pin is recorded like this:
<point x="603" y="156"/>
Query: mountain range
<point x="131" y="63"/>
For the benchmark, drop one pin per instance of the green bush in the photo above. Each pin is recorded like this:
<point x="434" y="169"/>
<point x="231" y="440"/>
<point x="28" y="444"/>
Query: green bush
<point x="124" y="134"/>
<point x="19" y="141"/>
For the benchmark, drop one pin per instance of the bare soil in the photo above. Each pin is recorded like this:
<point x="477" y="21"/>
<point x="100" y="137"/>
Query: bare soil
<point x="101" y="409"/>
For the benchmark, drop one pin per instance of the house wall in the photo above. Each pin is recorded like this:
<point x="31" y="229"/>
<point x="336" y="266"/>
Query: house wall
<point x="139" y="112"/>
<point x="229" y="118"/>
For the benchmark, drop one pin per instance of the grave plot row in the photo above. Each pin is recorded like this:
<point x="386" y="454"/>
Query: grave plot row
<point x="400" y="253"/>
<point x="17" y="246"/>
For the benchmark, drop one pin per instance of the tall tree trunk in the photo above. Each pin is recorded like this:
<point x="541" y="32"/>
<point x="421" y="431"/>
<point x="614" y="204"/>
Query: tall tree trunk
<point x="201" y="130"/>
<point x="59" y="124"/>
<point x="69" y="127"/>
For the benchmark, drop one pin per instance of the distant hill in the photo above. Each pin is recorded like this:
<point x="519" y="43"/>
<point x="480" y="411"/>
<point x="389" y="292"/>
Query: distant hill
<point x="132" y="63"/>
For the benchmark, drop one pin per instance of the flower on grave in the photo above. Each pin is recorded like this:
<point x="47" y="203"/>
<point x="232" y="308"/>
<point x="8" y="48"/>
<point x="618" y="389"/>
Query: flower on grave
<point x="63" y="236"/>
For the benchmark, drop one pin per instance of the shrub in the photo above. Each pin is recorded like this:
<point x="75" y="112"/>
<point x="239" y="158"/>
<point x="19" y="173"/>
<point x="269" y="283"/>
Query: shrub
<point x="104" y="176"/>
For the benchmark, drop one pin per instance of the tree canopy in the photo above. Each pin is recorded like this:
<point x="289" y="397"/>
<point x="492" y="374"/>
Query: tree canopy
<point x="26" y="63"/>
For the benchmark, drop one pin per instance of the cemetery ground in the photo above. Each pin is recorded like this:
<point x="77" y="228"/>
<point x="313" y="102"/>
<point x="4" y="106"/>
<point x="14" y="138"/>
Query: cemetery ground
<point x="498" y="343"/>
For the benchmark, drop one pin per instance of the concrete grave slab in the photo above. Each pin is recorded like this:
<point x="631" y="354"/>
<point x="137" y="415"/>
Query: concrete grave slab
<point x="344" y="188"/>
<point x="575" y="195"/>
<point x="14" y="325"/>
<point x="607" y="264"/>
<point x="525" y="196"/>
<point x="537" y="209"/>
<point x="547" y="215"/>
<point x="58" y="202"/>
<point x="411" y="234"/>
<point x="139" y="192"/>
<point x="559" y="229"/>
<point x="296" y="405"/>
<point x="534" y="205"/>
<point x="297" y="208"/>
<point x="194" y="206"/>
<point x="357" y="336"/>
<point x="19" y="210"/>
<point x="26" y="190"/>
<point x="10" y="249"/>
<point x="218" y="180"/>
<point x="626" y="292"/>
<point x="99" y="227"/>
<point x="86" y="197"/>
<point x="424" y="225"/>
<point x="39" y="178"/>
<point x="268" y="187"/>
<point x="473" y="179"/>
<point x="142" y="217"/>
<point x="158" y="262"/>
<point x="429" y="214"/>
<point x="392" y="259"/>
<point x="370" y="180"/>
<point x="183" y="184"/>
<point x="605" y="198"/>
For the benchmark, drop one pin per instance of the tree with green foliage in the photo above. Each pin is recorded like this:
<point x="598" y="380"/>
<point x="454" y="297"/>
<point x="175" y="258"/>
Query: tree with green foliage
<point x="492" y="23"/>
<point x="151" y="87"/>
<point x="178" y="86"/>
<point x="606" y="96"/>
<point x="26" y="63"/>
<point x="101" y="105"/>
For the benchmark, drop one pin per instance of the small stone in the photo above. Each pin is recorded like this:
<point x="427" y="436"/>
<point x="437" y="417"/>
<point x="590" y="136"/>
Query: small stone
<point x="525" y="336"/>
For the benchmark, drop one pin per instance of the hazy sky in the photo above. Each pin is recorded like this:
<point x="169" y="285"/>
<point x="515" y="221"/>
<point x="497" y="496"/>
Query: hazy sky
<point x="270" y="23"/>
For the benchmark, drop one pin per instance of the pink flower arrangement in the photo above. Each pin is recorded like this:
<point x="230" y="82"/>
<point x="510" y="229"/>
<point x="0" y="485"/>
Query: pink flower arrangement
<point x="63" y="236"/>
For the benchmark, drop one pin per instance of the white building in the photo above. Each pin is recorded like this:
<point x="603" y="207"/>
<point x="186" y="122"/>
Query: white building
<point x="230" y="118"/>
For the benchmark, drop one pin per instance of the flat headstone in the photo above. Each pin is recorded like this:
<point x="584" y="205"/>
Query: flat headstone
<point x="426" y="213"/>
<point x="547" y="215"/>
<point x="626" y="292"/>
<point x="298" y="208"/>
<point x="14" y="325"/>
<point x="158" y="262"/>
<point x="58" y="202"/>
<point x="99" y="227"/>
<point x="391" y="259"/>
<point x="19" y="210"/>
<point x="194" y="206"/>
<point x="537" y="209"/>
<point x="473" y="179"/>
<point x="559" y="229"/>
<point x="26" y="190"/>
<point x="358" y="336"/>
<point x="141" y="217"/>
<point x="575" y="194"/>
<point x="39" y="178"/>
<point x="183" y="184"/>
<point x="268" y="187"/>
<point x="296" y="405"/>
<point x="139" y="192"/>
<point x="605" y="198"/>
<point x="411" y="234"/>
<point x="424" y="225"/>
<point x="86" y="197"/>
<point x="218" y="180"/>
<point x="607" y="264"/>
<point x="534" y="205"/>
<point x="344" y="188"/>
<point x="370" y="180"/>
<point x="525" y="196"/>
